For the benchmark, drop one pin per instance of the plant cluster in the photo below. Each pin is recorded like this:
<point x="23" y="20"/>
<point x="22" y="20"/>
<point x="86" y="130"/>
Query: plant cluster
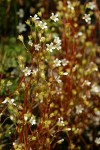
<point x="55" y="100"/>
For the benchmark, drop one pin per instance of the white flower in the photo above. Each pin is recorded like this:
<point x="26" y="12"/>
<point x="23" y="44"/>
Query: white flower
<point x="97" y="141"/>
<point x="64" y="62"/>
<point x="27" y="71"/>
<point x="58" y="79"/>
<point x="57" y="40"/>
<point x="21" y="27"/>
<point x="50" y="47"/>
<point x="57" y="62"/>
<point x="86" y="82"/>
<point x="65" y="73"/>
<point x="70" y="5"/>
<point x="30" y="43"/>
<point x="8" y="100"/>
<point x="35" y="18"/>
<point x="32" y="120"/>
<point x="58" y="47"/>
<point x="26" y="116"/>
<point x="95" y="89"/>
<point x="91" y="5"/>
<point x="58" y="90"/>
<point x="87" y="18"/>
<point x="79" y="34"/>
<point x="68" y="129"/>
<point x="97" y="112"/>
<point x="96" y="120"/>
<point x="42" y="25"/>
<point x="14" y="143"/>
<point x="20" y="13"/>
<point x="60" y="141"/>
<point x="37" y="47"/>
<point x="79" y="109"/>
<point x="54" y="17"/>
<point x="60" y="122"/>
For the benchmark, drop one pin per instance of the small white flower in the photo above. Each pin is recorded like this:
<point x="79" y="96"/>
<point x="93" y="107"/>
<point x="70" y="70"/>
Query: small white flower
<point x="95" y="89"/>
<point x="57" y="62"/>
<point x="79" y="34"/>
<point x="20" y="13"/>
<point x="14" y="143"/>
<point x="54" y="17"/>
<point x="26" y="117"/>
<point x="97" y="141"/>
<point x="35" y="18"/>
<point x="60" y="122"/>
<point x="50" y="47"/>
<point x="97" y="112"/>
<point x="58" y="90"/>
<point x="42" y="25"/>
<point x="64" y="62"/>
<point x="68" y="129"/>
<point x="96" y="120"/>
<point x="27" y="71"/>
<point x="37" y="47"/>
<point x="65" y="73"/>
<point x="60" y="141"/>
<point x="86" y="82"/>
<point x="12" y="101"/>
<point x="79" y="109"/>
<point x="87" y="18"/>
<point x="21" y="27"/>
<point x="91" y="5"/>
<point x="58" y="47"/>
<point x="57" y="40"/>
<point x="32" y="120"/>
<point x="8" y="100"/>
<point x="70" y="5"/>
<point x="58" y="79"/>
<point x="30" y="43"/>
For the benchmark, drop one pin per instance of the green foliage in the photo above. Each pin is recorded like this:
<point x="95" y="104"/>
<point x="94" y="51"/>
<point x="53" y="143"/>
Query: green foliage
<point x="9" y="52"/>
